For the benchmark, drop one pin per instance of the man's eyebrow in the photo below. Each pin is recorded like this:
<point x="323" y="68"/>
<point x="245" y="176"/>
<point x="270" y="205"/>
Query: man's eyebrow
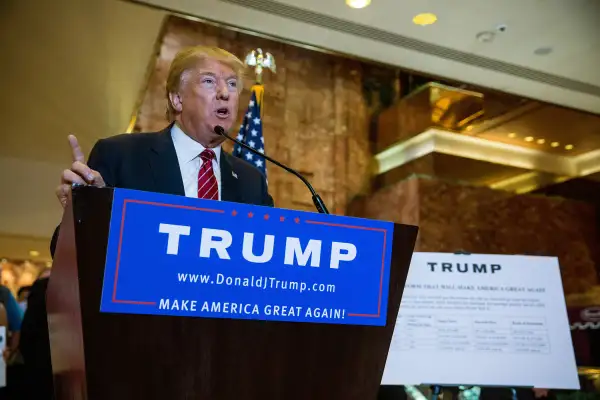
<point x="232" y="76"/>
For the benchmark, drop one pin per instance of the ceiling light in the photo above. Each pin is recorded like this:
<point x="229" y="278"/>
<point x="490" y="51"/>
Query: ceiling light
<point x="34" y="253"/>
<point x="425" y="19"/>
<point x="554" y="144"/>
<point x="541" y="141"/>
<point x="569" y="147"/>
<point x="529" y="139"/>
<point x="485" y="36"/>
<point x="512" y="135"/>
<point x="358" y="3"/>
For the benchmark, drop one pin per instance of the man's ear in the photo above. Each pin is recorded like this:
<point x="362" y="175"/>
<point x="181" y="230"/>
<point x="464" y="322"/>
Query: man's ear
<point x="176" y="102"/>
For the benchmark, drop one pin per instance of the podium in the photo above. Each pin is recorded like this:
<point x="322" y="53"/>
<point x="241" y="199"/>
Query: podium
<point x="106" y="355"/>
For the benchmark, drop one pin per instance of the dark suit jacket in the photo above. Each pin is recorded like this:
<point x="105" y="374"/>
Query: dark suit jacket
<point x="148" y="161"/>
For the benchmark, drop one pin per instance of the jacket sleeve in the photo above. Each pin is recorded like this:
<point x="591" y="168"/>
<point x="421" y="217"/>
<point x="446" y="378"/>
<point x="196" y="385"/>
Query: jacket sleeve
<point x="100" y="160"/>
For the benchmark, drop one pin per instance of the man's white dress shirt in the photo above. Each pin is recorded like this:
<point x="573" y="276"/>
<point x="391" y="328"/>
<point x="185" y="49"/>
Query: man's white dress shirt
<point x="188" y="154"/>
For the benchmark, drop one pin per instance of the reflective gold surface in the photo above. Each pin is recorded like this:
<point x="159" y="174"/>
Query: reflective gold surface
<point x="500" y="131"/>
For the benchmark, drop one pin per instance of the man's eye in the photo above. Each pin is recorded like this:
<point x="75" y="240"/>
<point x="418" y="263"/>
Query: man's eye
<point x="233" y="84"/>
<point x="208" y="81"/>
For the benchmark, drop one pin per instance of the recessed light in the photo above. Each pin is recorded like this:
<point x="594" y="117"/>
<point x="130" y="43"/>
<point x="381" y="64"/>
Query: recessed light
<point x="425" y="19"/>
<point x="358" y="3"/>
<point x="529" y="139"/>
<point x="512" y="135"/>
<point x="554" y="144"/>
<point x="485" y="36"/>
<point x="569" y="147"/>
<point x="34" y="253"/>
<point x="541" y="141"/>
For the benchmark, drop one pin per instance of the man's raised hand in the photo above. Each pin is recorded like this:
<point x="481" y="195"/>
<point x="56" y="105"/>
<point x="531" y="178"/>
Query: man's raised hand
<point x="79" y="173"/>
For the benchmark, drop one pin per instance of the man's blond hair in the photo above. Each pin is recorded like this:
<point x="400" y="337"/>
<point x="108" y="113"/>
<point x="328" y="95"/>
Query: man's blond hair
<point x="191" y="57"/>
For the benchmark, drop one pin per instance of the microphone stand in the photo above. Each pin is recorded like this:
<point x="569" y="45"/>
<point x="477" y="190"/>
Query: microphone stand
<point x="318" y="202"/>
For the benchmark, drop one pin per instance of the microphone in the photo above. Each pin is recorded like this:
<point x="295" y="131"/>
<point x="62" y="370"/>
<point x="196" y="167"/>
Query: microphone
<point x="319" y="205"/>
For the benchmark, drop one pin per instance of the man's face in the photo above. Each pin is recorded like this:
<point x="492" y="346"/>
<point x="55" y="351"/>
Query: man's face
<point x="208" y="96"/>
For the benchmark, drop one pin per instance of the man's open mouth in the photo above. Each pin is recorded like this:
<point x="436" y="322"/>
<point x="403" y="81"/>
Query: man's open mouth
<point x="222" y="112"/>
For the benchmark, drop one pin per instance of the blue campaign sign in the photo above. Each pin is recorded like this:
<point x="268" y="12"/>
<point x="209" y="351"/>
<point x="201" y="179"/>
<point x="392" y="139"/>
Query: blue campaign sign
<point x="173" y="255"/>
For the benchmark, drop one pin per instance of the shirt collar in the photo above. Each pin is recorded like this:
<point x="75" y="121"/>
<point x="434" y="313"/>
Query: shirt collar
<point x="188" y="149"/>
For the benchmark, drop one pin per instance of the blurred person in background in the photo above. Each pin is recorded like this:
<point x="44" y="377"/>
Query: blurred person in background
<point x="14" y="314"/>
<point x="35" y="343"/>
<point x="22" y="296"/>
<point x="14" y="319"/>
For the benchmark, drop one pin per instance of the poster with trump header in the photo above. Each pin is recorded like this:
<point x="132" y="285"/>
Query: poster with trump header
<point x="501" y="318"/>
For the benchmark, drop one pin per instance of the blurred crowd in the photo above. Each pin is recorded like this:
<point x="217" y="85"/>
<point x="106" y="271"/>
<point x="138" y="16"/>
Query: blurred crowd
<point x="25" y="344"/>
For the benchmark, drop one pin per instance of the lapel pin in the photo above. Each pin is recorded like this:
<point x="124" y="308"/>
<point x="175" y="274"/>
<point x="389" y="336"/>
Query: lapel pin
<point x="234" y="174"/>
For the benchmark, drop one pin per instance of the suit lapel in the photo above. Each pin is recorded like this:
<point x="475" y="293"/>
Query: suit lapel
<point x="229" y="183"/>
<point x="164" y="164"/>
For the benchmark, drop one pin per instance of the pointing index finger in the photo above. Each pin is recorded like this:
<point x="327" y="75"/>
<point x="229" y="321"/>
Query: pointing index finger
<point x="77" y="152"/>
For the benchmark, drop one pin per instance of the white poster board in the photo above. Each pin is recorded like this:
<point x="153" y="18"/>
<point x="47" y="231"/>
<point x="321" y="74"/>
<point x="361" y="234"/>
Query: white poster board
<point x="480" y="319"/>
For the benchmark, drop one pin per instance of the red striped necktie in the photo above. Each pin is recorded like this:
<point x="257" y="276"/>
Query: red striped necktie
<point x="207" y="182"/>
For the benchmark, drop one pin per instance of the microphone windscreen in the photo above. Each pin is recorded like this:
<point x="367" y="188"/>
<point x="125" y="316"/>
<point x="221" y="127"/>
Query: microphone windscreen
<point x="219" y="130"/>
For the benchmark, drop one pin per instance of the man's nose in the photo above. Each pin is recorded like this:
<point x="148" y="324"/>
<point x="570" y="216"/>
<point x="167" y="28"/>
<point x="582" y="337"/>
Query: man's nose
<point x="222" y="92"/>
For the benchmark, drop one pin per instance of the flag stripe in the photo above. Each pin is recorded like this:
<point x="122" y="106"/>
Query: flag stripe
<point x="251" y="134"/>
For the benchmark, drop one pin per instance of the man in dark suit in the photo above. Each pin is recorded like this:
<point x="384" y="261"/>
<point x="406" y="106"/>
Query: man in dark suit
<point x="185" y="158"/>
<point x="203" y="87"/>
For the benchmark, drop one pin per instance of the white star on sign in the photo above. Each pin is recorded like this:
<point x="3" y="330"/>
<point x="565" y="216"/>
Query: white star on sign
<point x="248" y="156"/>
<point x="254" y="132"/>
<point x="240" y="136"/>
<point x="251" y="143"/>
<point x="249" y="115"/>
<point x="262" y="139"/>
<point x="261" y="150"/>
<point x="256" y="120"/>
<point x="258" y="163"/>
<point x="251" y="103"/>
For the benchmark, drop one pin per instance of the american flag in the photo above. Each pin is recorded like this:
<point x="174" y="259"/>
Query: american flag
<point x="251" y="133"/>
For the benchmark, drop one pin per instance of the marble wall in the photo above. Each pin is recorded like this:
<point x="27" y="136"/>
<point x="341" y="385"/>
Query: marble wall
<point x="454" y="217"/>
<point x="315" y="117"/>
